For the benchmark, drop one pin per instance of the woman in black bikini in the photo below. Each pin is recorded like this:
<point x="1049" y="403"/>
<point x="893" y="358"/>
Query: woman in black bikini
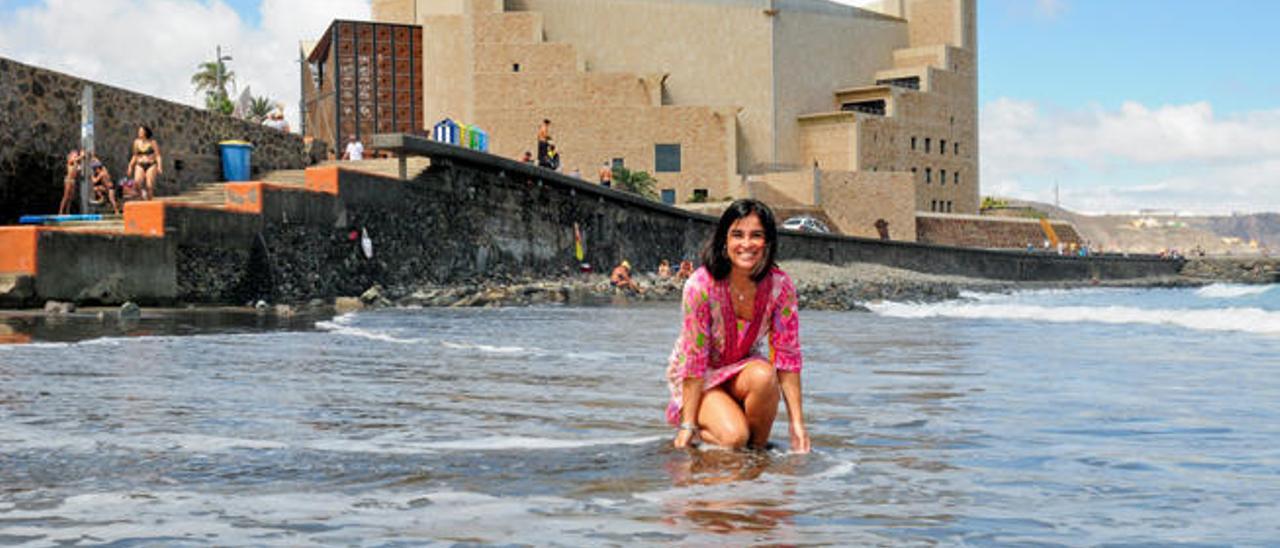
<point x="145" y="165"/>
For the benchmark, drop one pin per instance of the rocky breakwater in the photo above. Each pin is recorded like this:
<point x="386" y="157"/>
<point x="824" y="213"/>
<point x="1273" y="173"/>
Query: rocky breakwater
<point x="820" y="287"/>
<point x="1245" y="270"/>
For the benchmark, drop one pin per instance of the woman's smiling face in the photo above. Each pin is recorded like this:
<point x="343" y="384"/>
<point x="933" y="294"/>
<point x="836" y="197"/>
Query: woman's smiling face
<point x="746" y="243"/>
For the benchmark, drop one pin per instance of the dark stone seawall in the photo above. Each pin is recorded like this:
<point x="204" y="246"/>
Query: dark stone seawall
<point x="458" y="223"/>
<point x="40" y="123"/>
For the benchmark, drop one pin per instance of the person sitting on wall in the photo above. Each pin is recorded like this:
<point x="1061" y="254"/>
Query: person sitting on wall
<point x="664" y="269"/>
<point x="103" y="188"/>
<point x="527" y="158"/>
<point x="544" y="140"/>
<point x="69" y="181"/>
<point x="355" y="149"/>
<point x="146" y="163"/>
<point x="552" y="161"/>
<point x="621" y="278"/>
<point x="606" y="175"/>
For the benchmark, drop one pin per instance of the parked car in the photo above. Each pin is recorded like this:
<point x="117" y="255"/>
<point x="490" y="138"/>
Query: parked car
<point x="805" y="223"/>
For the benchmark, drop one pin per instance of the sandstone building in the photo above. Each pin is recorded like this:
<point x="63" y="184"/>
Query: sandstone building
<point x="861" y="114"/>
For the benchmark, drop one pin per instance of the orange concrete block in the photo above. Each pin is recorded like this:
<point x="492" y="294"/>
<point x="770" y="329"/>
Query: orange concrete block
<point x="144" y="219"/>
<point x="245" y="197"/>
<point x="18" y="246"/>
<point x="323" y="179"/>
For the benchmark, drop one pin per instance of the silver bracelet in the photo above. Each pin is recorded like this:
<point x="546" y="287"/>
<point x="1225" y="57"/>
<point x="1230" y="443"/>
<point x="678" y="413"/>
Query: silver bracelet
<point x="689" y="426"/>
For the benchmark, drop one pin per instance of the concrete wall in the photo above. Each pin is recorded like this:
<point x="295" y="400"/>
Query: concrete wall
<point x="40" y="123"/>
<point x="471" y="217"/>
<point x="988" y="232"/>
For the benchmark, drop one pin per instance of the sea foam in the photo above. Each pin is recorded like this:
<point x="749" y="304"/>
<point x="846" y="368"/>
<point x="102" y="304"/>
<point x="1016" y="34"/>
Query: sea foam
<point x="1231" y="291"/>
<point x="1248" y="320"/>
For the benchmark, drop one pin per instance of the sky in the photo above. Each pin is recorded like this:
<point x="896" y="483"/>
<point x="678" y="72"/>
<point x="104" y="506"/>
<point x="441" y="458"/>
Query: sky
<point x="1169" y="105"/>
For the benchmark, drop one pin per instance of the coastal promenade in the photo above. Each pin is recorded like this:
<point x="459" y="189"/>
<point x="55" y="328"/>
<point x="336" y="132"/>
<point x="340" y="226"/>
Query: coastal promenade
<point x="467" y="216"/>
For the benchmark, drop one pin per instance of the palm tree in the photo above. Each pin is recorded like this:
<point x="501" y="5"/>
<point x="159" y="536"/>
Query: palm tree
<point x="212" y="78"/>
<point x="259" y="109"/>
<point x="635" y="182"/>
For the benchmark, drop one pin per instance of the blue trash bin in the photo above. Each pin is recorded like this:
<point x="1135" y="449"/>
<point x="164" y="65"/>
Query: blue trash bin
<point x="235" y="160"/>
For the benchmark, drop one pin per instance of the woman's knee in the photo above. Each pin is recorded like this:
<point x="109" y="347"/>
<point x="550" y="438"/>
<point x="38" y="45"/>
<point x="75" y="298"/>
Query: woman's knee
<point x="760" y="375"/>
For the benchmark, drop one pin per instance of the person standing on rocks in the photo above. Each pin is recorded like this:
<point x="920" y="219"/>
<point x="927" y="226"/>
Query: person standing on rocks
<point x="146" y="163"/>
<point x="740" y="339"/>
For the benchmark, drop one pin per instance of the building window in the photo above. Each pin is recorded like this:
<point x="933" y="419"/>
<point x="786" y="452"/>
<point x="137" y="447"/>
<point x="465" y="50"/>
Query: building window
<point x="928" y="175"/>
<point x="955" y="178"/>
<point x="913" y="143"/>
<point x="942" y="177"/>
<point x="933" y="206"/>
<point x="926" y="144"/>
<point x="913" y="173"/>
<point x="942" y="147"/>
<point x="669" y="196"/>
<point x="957" y="149"/>
<point x="618" y="163"/>
<point x="515" y="67"/>
<point x="699" y="195"/>
<point x="948" y="206"/>
<point x="666" y="158"/>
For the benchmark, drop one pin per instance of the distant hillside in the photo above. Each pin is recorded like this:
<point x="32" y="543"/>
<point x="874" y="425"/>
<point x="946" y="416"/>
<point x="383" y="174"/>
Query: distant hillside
<point x="1216" y="235"/>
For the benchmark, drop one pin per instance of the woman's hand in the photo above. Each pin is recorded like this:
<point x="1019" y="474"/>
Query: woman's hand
<point x="799" y="438"/>
<point x="684" y="438"/>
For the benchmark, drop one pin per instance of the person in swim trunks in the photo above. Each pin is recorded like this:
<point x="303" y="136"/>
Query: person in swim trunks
<point x="739" y="345"/>
<point x="145" y="164"/>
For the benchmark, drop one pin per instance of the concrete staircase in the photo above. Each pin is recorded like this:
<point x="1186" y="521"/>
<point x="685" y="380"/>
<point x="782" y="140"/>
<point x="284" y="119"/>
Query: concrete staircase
<point x="214" y="195"/>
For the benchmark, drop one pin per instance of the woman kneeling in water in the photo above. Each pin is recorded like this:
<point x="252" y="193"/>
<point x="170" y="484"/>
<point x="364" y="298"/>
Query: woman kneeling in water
<point x="740" y="339"/>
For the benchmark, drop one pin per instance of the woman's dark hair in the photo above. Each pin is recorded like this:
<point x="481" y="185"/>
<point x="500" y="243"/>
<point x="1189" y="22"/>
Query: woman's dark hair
<point x="714" y="256"/>
<point x="146" y="131"/>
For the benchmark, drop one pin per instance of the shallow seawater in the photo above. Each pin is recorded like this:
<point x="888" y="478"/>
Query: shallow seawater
<point x="1083" y="417"/>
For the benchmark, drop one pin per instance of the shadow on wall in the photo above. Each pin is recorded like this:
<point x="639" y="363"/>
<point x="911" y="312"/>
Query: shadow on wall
<point x="42" y="174"/>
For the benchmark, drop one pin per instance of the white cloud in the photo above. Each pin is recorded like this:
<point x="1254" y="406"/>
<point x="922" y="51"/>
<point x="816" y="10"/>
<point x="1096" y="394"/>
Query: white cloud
<point x="153" y="46"/>
<point x="1180" y="157"/>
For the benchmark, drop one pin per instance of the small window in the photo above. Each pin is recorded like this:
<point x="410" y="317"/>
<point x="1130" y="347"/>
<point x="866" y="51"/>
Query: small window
<point x="942" y="147"/>
<point x="515" y="67"/>
<point x="928" y="175"/>
<point x="699" y="194"/>
<point x="666" y="158"/>
<point x="618" y="163"/>
<point x="955" y="178"/>
<point x="957" y="149"/>
<point x="948" y="206"/>
<point x="669" y="196"/>
<point x="926" y="144"/>
<point x="913" y="143"/>
<point x="933" y="206"/>
<point x="942" y="177"/>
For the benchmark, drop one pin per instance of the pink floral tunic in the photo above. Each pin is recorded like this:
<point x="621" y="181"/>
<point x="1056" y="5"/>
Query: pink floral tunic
<point x="715" y="345"/>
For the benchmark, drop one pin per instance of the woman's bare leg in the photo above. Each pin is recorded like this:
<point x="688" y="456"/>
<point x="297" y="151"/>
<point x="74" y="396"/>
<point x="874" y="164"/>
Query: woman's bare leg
<point x="151" y="182"/>
<point x="721" y="421"/>
<point x="756" y="386"/>
<point x="68" y="188"/>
